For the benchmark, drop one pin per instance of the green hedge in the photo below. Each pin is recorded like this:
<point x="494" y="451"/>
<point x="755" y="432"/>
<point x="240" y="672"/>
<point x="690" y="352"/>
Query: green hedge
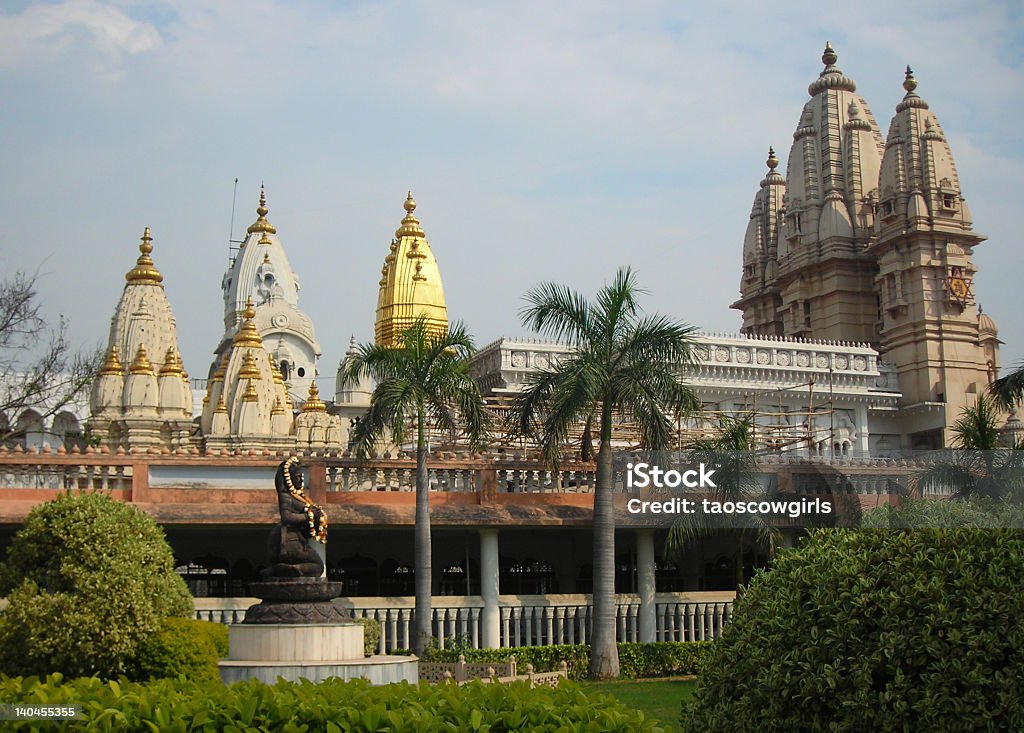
<point x="874" y="630"/>
<point x="636" y="660"/>
<point x="182" y="647"/>
<point x="333" y="706"/>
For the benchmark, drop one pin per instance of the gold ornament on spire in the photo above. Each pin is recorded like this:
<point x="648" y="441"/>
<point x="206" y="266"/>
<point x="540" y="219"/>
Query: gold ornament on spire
<point x="248" y="336"/>
<point x="313" y="402"/>
<point x="250" y="393"/>
<point x="829" y="57"/>
<point x="172" y="364"/>
<point x="141" y="363"/>
<point x="772" y="161"/>
<point x="249" y="369"/>
<point x="277" y="409"/>
<point x="144" y="271"/>
<point x="410" y="224"/>
<point x="112" y="365"/>
<point x="261" y="224"/>
<point x="222" y="406"/>
<point x="909" y="82"/>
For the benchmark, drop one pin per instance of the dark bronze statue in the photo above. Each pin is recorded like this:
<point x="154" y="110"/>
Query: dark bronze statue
<point x="302" y="522"/>
<point x="294" y="591"/>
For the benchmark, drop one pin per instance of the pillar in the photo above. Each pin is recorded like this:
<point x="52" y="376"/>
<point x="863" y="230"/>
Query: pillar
<point x="490" y="617"/>
<point x="645" y="583"/>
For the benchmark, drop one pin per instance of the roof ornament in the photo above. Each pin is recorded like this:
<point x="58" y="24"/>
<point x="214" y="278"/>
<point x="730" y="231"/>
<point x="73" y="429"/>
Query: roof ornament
<point x="772" y="161"/>
<point x="144" y="271"/>
<point x="410" y="224"/>
<point x="262" y="224"/>
<point x="910" y="99"/>
<point x="112" y="365"/>
<point x="831" y="76"/>
<point x="313" y="402"/>
<point x="141" y="364"/>
<point x="247" y="335"/>
<point x="909" y="82"/>
<point x="829" y="57"/>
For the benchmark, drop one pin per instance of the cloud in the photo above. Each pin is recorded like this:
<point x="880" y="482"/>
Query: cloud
<point x="46" y="31"/>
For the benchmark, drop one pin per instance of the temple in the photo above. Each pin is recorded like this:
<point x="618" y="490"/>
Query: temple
<point x="861" y="338"/>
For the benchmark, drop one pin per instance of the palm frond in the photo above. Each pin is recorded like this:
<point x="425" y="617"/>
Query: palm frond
<point x="1009" y="390"/>
<point x="559" y="313"/>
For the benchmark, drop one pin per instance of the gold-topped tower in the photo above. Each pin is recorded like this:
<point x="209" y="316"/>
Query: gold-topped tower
<point x="144" y="270"/>
<point x="410" y="284"/>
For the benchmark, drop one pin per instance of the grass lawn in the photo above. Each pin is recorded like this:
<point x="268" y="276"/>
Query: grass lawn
<point x="657" y="698"/>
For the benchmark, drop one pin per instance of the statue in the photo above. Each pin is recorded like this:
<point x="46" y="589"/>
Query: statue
<point x="302" y="522"/>
<point x="294" y="590"/>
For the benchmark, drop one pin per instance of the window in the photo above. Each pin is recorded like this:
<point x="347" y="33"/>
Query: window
<point x="285" y="369"/>
<point x="301" y="371"/>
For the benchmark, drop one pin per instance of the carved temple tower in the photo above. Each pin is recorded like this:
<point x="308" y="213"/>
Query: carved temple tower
<point x="149" y="403"/>
<point x="410" y="283"/>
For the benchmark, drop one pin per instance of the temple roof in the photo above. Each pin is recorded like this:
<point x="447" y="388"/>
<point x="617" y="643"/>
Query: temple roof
<point x="410" y="284"/>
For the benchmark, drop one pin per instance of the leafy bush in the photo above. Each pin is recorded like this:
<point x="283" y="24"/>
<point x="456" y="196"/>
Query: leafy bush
<point x="87" y="577"/>
<point x="976" y="513"/>
<point x="371" y="635"/>
<point x="334" y="706"/>
<point x="636" y="660"/>
<point x="181" y="647"/>
<point x="863" y="630"/>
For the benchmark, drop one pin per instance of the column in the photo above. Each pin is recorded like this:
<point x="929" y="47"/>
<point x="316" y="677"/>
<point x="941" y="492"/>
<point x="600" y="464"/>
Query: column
<point x="490" y="617"/>
<point x="645" y="582"/>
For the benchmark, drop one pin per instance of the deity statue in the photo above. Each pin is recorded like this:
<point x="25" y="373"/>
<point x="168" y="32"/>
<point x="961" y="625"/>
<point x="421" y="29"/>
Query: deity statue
<point x="289" y="545"/>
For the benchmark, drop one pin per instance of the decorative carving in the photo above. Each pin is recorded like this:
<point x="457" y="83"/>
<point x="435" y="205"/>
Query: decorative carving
<point x="518" y="359"/>
<point x="540" y="361"/>
<point x="821" y="361"/>
<point x="842" y="362"/>
<point x="803" y="359"/>
<point x="721" y="355"/>
<point x="782" y="358"/>
<point x="743" y="356"/>
<point x="763" y="357"/>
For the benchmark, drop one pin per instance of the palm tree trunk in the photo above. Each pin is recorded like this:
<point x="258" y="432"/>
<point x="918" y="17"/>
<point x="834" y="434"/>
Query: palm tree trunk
<point x="421" y="631"/>
<point x="604" y="655"/>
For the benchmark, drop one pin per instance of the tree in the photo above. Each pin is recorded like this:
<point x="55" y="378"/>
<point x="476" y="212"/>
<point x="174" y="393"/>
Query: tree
<point x="623" y="364"/>
<point x="732" y="452"/>
<point x="1009" y="390"/>
<point x="426" y="375"/>
<point x="88" y="578"/>
<point x="38" y="368"/>
<point x="977" y="465"/>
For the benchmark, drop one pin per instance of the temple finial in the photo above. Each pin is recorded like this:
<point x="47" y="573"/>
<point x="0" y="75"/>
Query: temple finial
<point x="829" y="57"/>
<point x="410" y="224"/>
<point x="772" y="161"/>
<point x="909" y="82"/>
<point x="144" y="270"/>
<point x="262" y="224"/>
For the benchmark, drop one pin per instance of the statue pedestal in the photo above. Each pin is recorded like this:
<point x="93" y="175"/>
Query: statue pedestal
<point x="297" y="633"/>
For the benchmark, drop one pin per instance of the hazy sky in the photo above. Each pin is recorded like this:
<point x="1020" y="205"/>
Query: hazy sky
<point x="542" y="141"/>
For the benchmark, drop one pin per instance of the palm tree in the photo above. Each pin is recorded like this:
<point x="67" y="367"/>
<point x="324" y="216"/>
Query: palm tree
<point x="1009" y="390"/>
<point x="732" y="452"/>
<point x="624" y="364"/>
<point x="425" y="375"/>
<point x="978" y="465"/>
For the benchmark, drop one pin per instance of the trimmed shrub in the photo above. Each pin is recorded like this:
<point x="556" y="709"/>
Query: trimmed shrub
<point x="180" y="647"/>
<point x="863" y="630"/>
<point x="636" y="660"/>
<point x="87" y="577"/>
<point x="334" y="705"/>
<point x="371" y="635"/>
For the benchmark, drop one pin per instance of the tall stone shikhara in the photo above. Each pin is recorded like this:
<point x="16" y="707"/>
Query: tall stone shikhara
<point x="871" y="242"/>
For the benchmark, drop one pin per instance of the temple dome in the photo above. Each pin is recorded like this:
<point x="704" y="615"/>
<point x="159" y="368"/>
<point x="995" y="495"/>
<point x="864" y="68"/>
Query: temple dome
<point x="410" y="284"/>
<point x="918" y="186"/>
<point x="833" y="165"/>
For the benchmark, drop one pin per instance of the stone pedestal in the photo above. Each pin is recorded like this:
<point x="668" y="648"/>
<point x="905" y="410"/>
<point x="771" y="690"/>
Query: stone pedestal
<point x="295" y="601"/>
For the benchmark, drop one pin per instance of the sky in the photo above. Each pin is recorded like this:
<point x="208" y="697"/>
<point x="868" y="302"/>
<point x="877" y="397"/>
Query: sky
<point x="542" y="141"/>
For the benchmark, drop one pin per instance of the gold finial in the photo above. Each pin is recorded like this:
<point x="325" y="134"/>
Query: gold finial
<point x="144" y="271"/>
<point x="261" y="224"/>
<point x="830" y="57"/>
<point x="222" y="406"/>
<point x="410" y="224"/>
<point x="772" y="161"/>
<point x="172" y="364"/>
<point x="222" y="365"/>
<point x="275" y="372"/>
<point x="112" y="365"/>
<point x="249" y="369"/>
<point x="313" y="402"/>
<point x="141" y="364"/>
<point x="248" y="336"/>
<point x="250" y="393"/>
<point x="909" y="82"/>
<point x="277" y="409"/>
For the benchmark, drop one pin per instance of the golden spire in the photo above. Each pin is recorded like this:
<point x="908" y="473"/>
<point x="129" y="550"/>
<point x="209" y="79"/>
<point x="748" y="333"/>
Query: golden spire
<point x="172" y="364"/>
<point x="222" y="406"/>
<point x="278" y="377"/>
<point x="250" y="393"/>
<point x="261" y="224"/>
<point x="265" y="240"/>
<point x="772" y="161"/>
<point x="410" y="283"/>
<point x="277" y="409"/>
<point x="247" y="335"/>
<point x="249" y="369"/>
<point x="410" y="224"/>
<point x="144" y="271"/>
<point x="909" y="82"/>
<point x="141" y="364"/>
<point x="112" y="365"/>
<point x="218" y="374"/>
<point x="313" y="402"/>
